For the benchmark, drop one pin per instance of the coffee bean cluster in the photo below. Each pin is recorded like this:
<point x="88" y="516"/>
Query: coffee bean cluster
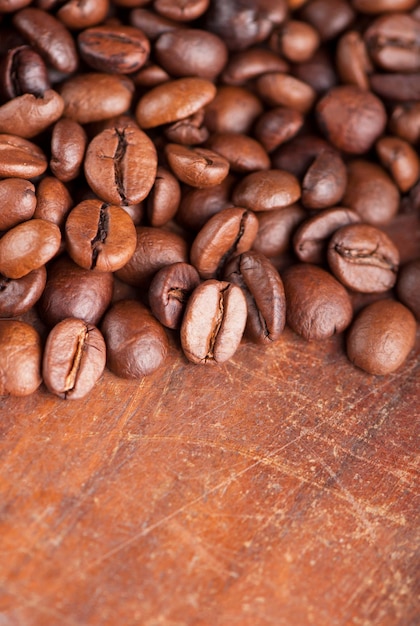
<point x="213" y="167"/>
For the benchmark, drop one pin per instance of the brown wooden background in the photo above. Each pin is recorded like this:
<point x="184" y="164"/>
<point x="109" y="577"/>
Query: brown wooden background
<point x="281" y="488"/>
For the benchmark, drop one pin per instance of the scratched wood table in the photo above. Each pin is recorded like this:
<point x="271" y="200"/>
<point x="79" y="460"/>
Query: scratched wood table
<point x="278" y="489"/>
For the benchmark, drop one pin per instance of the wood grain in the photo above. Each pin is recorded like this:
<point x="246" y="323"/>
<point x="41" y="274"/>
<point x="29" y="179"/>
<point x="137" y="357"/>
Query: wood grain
<point x="281" y="488"/>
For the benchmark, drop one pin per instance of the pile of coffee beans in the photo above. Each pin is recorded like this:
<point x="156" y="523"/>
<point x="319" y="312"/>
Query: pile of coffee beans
<point x="218" y="168"/>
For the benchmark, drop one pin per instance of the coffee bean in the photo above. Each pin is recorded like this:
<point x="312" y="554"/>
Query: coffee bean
<point x="23" y="71"/>
<point x="318" y="72"/>
<point x="232" y="110"/>
<point x="296" y="40"/>
<point x="213" y="322"/>
<point x="20" y="158"/>
<point x="325" y="181"/>
<point x="198" y="167"/>
<point x="279" y="89"/>
<point x="296" y="155"/>
<point x="136" y="342"/>
<point x="29" y="115"/>
<point x="20" y="358"/>
<point x="329" y="17"/>
<point x="76" y="15"/>
<point x="408" y="286"/>
<point x="353" y="62"/>
<point x="401" y="160"/>
<point x="317" y="305"/>
<point x="164" y="198"/>
<point x="405" y="121"/>
<point x="277" y="126"/>
<point x="199" y="204"/>
<point x="53" y="201"/>
<point x="74" y="359"/>
<point x="68" y="145"/>
<point x="275" y="229"/>
<point x="381" y="6"/>
<point x="152" y="24"/>
<point x="189" y="131"/>
<point x="243" y="153"/>
<point x="248" y="64"/>
<point x="179" y="10"/>
<point x="17" y="296"/>
<point x="381" y="337"/>
<point x="265" y="191"/>
<point x="169" y="292"/>
<point x="398" y="87"/>
<point x="17" y="202"/>
<point x="393" y="42"/>
<point x="363" y="258"/>
<point x="114" y="48"/>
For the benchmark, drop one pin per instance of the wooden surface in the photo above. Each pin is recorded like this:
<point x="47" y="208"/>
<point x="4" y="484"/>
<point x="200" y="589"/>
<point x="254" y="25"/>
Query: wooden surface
<point x="278" y="489"/>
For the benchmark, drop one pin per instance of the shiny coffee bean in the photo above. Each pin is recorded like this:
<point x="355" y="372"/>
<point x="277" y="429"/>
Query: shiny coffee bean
<point x="164" y="198"/>
<point x="72" y="291"/>
<point x="317" y="305"/>
<point x="189" y="131"/>
<point x="405" y="122"/>
<point x="372" y="7"/>
<point x="393" y="42"/>
<point x="114" y="48"/>
<point x="296" y="40"/>
<point x="232" y="110"/>
<point x="275" y="229"/>
<point x="318" y="72"/>
<point x="251" y="63"/>
<point x="23" y="71"/>
<point x="296" y="155"/>
<point x="197" y="167"/>
<point x="408" y="282"/>
<point x="229" y="232"/>
<point x="20" y="158"/>
<point x="381" y="337"/>
<point x="76" y="15"/>
<point x="276" y="126"/>
<point x="401" y="159"/>
<point x="17" y="296"/>
<point x="243" y="153"/>
<point x="29" y="115"/>
<point x="68" y="145"/>
<point x="152" y="24"/>
<point x="264" y="293"/>
<point x="398" y="87"/>
<point x="328" y="17"/>
<point x="169" y="292"/>
<point x="279" y="89"/>
<point x="363" y="258"/>
<point x="325" y="181"/>
<point x="198" y="205"/>
<point x="213" y="322"/>
<point x="20" y="358"/>
<point x="136" y="342"/>
<point x="265" y="191"/>
<point x="17" y="202"/>
<point x="352" y="59"/>
<point x="53" y="201"/>
<point x="181" y="11"/>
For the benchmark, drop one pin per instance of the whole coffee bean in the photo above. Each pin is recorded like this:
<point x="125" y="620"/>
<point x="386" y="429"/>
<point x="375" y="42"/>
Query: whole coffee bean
<point x="164" y="198"/>
<point x="173" y="101"/>
<point x="8" y="6"/>
<point x="351" y="118"/>
<point x="279" y="89"/>
<point x="94" y="96"/>
<point x="370" y="192"/>
<point x="296" y="40"/>
<point x="27" y="247"/>
<point x="53" y="201"/>
<point x="248" y="64"/>
<point x="265" y="191"/>
<point x="393" y="42"/>
<point x="199" y="204"/>
<point x="243" y="153"/>
<point x="20" y="158"/>
<point x="213" y="322"/>
<point x="74" y="359"/>
<point x="191" y="52"/>
<point x="297" y="155"/>
<point x="100" y="236"/>
<point x="154" y="249"/>
<point x="136" y="342"/>
<point x="120" y="165"/>
<point x="29" y="115"/>
<point x="72" y="291"/>
<point x="76" y="15"/>
<point x="275" y="229"/>
<point x="20" y="358"/>
<point x="189" y="131"/>
<point x="169" y="292"/>
<point x="152" y="24"/>
<point x="325" y="181"/>
<point x="23" y="71"/>
<point x="49" y="37"/>
<point x="17" y="202"/>
<point x="317" y="305"/>
<point x="398" y="87"/>
<point x="382" y="6"/>
<point x="19" y="295"/>
<point x="405" y="121"/>
<point x="381" y="337"/>
<point x="408" y="286"/>
<point x="276" y="126"/>
<point x="181" y="11"/>
<point x="329" y="17"/>
<point x="363" y="258"/>
<point x="318" y="72"/>
<point x="233" y="110"/>
<point x="264" y="293"/>
<point x="401" y="160"/>
<point x="114" y="48"/>
<point x="229" y="232"/>
<point x="68" y="145"/>
<point x="150" y="75"/>
<point x="352" y="59"/>
<point x="311" y="238"/>
<point x="198" y="167"/>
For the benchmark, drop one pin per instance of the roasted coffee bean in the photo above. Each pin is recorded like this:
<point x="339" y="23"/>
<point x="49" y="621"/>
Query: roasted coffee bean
<point x="173" y="101"/>
<point x="23" y="71"/>
<point x="152" y="24"/>
<point x="154" y="249"/>
<point x="68" y="145"/>
<point x="74" y="359"/>
<point x="29" y="115"/>
<point x="264" y="293"/>
<point x="28" y="246"/>
<point x="53" y="201"/>
<point x="405" y="122"/>
<point x="370" y="192"/>
<point x="197" y="167"/>
<point x="398" y="87"/>
<point x="297" y="155"/>
<point x="181" y="11"/>
<point x="94" y="97"/>
<point x="382" y="6"/>
<point x="351" y="118"/>
<point x="20" y="158"/>
<point x="164" y="198"/>
<point x="72" y="291"/>
<point x="120" y="165"/>
<point x="189" y="131"/>
<point x="352" y="59"/>
<point x="248" y="64"/>
<point x="198" y="205"/>
<point x="265" y="191"/>
<point x="393" y="42"/>
<point x="276" y="126"/>
<point x="49" y="37"/>
<point x="279" y="89"/>
<point x="381" y="337"/>
<point x="229" y="232"/>
<point x="232" y="110"/>
<point x="329" y="17"/>
<point x="295" y="40"/>
<point x="114" y="48"/>
<point x="408" y="283"/>
<point x="318" y="72"/>
<point x="275" y="229"/>
<point x="191" y="52"/>
<point x="136" y="342"/>
<point x="310" y="240"/>
<point x="243" y="153"/>
<point x="325" y="181"/>
<point x="100" y="236"/>
<point x="8" y="6"/>
<point x="213" y="322"/>
<point x="20" y="358"/>
<point x="169" y="292"/>
<point x="317" y="305"/>
<point x="19" y="295"/>
<point x="150" y="75"/>
<point x="76" y="15"/>
<point x="17" y="202"/>
<point x="363" y="258"/>
<point x="401" y="160"/>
